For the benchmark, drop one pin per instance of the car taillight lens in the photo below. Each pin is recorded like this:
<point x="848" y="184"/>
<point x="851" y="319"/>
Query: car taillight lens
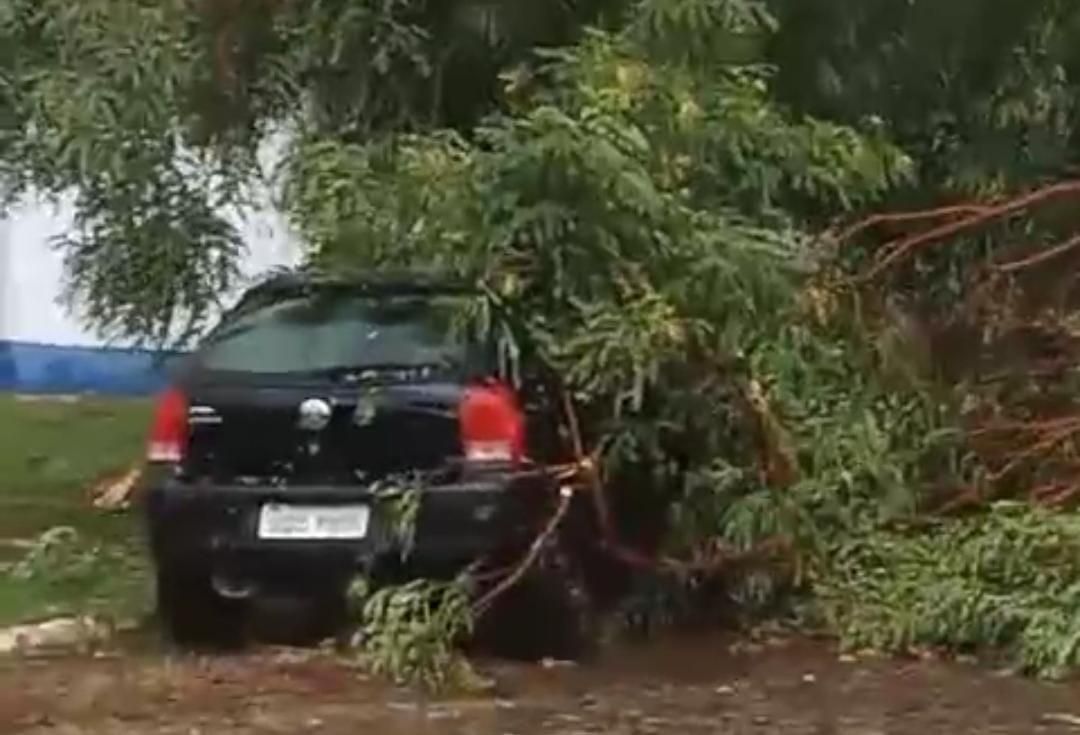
<point x="169" y="432"/>
<point x="492" y="425"/>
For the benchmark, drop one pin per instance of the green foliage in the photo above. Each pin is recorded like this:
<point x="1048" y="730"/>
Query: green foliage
<point x="58" y="557"/>
<point x="150" y="117"/>
<point x="640" y="218"/>
<point x="66" y="573"/>
<point x="633" y="276"/>
<point x="1002" y="581"/>
<point x="979" y="111"/>
<point x="54" y="450"/>
<point x="150" y="114"/>
<point x="93" y="115"/>
<point x="409" y="633"/>
<point x="641" y="215"/>
<point x="399" y="500"/>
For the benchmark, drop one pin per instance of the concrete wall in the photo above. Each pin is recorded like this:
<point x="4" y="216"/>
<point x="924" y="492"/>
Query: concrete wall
<point x="43" y="348"/>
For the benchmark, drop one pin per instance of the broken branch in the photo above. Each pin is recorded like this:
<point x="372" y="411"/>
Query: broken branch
<point x="900" y="249"/>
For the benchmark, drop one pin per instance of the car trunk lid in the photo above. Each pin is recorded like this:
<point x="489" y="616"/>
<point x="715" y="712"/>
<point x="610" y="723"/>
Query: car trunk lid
<point x="321" y="434"/>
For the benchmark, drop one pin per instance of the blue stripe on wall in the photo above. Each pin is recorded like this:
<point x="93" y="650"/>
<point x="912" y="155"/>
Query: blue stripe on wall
<point x="35" y="368"/>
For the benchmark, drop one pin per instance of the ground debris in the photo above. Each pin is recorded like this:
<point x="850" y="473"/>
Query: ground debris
<point x="61" y="633"/>
<point x="65" y="398"/>
<point x="550" y="663"/>
<point x="657" y="689"/>
<point x="115" y="492"/>
<point x="1063" y="718"/>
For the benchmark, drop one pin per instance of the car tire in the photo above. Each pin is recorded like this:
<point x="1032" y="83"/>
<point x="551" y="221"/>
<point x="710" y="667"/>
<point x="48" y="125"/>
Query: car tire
<point x="547" y="615"/>
<point x="561" y="592"/>
<point x="193" y="614"/>
<point x="301" y="618"/>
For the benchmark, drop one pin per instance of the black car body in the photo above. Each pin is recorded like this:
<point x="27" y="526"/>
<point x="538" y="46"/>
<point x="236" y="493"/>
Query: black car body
<point x="275" y="457"/>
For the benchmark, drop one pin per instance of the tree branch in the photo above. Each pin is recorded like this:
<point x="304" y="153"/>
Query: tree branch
<point x="1040" y="257"/>
<point x="902" y="248"/>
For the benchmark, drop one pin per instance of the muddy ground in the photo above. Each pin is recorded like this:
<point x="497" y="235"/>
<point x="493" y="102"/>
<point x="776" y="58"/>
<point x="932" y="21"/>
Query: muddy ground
<point x="695" y="685"/>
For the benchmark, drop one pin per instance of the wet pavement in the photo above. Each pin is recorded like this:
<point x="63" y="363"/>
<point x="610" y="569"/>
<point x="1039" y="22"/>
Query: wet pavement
<point x="683" y="686"/>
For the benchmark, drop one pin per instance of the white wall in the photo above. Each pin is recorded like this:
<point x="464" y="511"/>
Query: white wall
<point x="31" y="272"/>
<point x="5" y="291"/>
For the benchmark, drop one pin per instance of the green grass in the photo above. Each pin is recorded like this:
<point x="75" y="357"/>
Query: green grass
<point x="51" y="453"/>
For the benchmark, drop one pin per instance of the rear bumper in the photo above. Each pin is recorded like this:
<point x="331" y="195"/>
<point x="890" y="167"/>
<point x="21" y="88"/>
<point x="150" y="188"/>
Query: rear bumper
<point x="215" y="526"/>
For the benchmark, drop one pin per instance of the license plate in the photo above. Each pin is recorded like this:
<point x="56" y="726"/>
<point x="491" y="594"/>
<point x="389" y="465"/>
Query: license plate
<point x="297" y="522"/>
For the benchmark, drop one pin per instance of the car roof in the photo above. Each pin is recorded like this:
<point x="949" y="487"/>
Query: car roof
<point x="284" y="283"/>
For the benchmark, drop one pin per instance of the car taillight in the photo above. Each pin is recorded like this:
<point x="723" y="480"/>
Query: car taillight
<point x="492" y="425"/>
<point x="169" y="432"/>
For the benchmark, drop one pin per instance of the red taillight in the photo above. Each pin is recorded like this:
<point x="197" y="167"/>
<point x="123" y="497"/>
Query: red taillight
<point x="168" y="434"/>
<point x="492" y="425"/>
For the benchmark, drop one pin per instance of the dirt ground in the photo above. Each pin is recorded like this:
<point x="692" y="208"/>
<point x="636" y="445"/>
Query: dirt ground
<point x="686" y="686"/>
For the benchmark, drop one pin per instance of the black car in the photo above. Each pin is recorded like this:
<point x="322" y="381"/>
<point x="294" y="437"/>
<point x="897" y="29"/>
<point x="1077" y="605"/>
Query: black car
<point x="269" y="452"/>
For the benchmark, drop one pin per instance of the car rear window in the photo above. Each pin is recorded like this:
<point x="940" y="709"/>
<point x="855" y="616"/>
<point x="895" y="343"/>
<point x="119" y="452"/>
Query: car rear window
<point x="324" y="332"/>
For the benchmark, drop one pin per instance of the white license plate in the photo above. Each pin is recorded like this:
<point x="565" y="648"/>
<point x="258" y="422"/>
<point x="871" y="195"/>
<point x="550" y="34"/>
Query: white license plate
<point x="298" y="522"/>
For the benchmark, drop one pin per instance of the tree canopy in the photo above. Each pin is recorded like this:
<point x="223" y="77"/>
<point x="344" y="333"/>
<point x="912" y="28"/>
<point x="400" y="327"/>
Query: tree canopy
<point x="151" y="114"/>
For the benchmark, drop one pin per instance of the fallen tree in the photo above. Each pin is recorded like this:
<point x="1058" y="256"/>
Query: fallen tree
<point x="760" y="408"/>
<point x="766" y="393"/>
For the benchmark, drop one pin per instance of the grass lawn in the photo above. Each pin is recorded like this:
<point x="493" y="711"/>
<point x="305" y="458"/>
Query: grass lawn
<point x="51" y="453"/>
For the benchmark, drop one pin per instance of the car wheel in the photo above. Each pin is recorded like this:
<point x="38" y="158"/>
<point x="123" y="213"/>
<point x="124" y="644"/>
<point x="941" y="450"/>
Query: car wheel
<point x="548" y="614"/>
<point x="330" y="614"/>
<point x="301" y="619"/>
<point x="193" y="614"/>
<point x="560" y="590"/>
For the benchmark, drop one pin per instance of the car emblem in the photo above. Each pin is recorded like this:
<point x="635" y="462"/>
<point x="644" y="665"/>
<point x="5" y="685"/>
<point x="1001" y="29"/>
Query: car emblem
<point x="315" y="414"/>
<point x="365" y="412"/>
